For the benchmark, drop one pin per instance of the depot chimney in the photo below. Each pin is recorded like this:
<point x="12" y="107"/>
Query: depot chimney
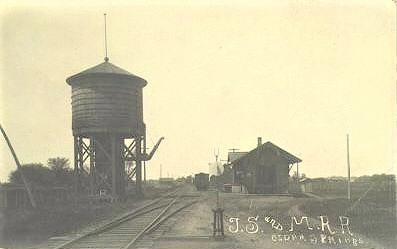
<point x="259" y="141"/>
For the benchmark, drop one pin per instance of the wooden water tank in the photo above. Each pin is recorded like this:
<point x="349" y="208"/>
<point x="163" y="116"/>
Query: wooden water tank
<point x="107" y="99"/>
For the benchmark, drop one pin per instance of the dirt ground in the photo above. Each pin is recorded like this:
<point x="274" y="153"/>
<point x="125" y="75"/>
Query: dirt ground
<point x="194" y="228"/>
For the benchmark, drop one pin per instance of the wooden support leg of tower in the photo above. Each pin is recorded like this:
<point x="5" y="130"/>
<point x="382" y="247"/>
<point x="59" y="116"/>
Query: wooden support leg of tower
<point x="76" y="165"/>
<point x="92" y="167"/>
<point x="144" y="162"/>
<point x="120" y="168"/>
<point x="100" y="177"/>
<point x="138" y="166"/>
<point x="114" y="166"/>
<point x="80" y="161"/>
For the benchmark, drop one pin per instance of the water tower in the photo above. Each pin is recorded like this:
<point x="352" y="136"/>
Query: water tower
<point x="108" y="129"/>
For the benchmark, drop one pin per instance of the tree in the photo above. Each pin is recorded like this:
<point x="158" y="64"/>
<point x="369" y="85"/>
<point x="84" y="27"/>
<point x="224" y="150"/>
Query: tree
<point x="35" y="173"/>
<point x="62" y="172"/>
<point x="58" y="173"/>
<point x="58" y="163"/>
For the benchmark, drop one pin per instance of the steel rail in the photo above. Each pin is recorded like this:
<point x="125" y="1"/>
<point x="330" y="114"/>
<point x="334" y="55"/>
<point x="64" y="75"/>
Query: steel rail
<point x="116" y="222"/>
<point x="158" y="221"/>
<point x="157" y="224"/>
<point x="141" y="233"/>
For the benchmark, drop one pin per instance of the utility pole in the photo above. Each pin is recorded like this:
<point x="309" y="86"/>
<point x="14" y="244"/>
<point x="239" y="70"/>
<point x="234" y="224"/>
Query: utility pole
<point x="160" y="172"/>
<point x="233" y="149"/>
<point x="348" y="169"/>
<point x="30" y="195"/>
<point x="216" y="154"/>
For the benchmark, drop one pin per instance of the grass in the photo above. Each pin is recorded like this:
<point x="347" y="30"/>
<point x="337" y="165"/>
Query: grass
<point x="31" y="226"/>
<point x="372" y="212"/>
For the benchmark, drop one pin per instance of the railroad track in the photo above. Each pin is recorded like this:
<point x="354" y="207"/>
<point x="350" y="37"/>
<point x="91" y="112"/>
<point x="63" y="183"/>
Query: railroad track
<point x="141" y="226"/>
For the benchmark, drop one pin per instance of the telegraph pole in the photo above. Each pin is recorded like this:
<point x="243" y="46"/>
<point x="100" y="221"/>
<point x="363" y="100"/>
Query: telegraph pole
<point x="348" y="169"/>
<point x="25" y="182"/>
<point x="216" y="154"/>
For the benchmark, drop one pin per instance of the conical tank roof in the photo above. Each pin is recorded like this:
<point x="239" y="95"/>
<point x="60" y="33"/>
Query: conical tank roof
<point x="105" y="68"/>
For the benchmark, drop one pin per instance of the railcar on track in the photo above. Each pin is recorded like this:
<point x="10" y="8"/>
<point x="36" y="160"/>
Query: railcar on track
<point x="201" y="181"/>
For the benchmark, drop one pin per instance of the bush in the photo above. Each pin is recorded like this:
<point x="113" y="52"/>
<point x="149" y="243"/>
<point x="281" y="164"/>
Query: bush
<point x="35" y="173"/>
<point x="58" y="173"/>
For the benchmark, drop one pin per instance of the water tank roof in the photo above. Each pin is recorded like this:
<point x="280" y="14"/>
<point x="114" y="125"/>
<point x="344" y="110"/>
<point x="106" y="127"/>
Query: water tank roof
<point x="105" y="68"/>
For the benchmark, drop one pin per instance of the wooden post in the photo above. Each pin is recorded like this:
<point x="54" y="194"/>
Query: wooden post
<point x="348" y="169"/>
<point x="5" y="198"/>
<point x="217" y="198"/>
<point x="28" y="190"/>
<point x="144" y="172"/>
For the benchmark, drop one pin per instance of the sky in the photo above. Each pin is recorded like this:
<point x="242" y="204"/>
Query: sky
<point x="299" y="73"/>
